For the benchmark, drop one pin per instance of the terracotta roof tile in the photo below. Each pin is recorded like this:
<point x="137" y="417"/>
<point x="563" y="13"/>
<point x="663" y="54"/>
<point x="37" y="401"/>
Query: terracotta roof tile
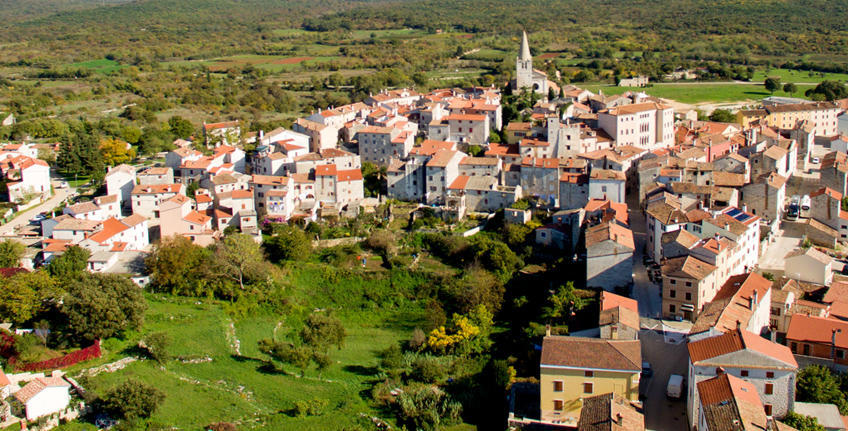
<point x="592" y="353"/>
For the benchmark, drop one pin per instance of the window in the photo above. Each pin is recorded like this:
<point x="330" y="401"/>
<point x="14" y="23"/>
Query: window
<point x="769" y="388"/>
<point x="744" y="373"/>
<point x="769" y="374"/>
<point x="688" y="284"/>
<point x="688" y="296"/>
<point x="557" y="386"/>
<point x="587" y="388"/>
<point x="671" y="308"/>
<point x="672" y="281"/>
<point x="767" y="408"/>
<point x="672" y="293"/>
<point x="588" y="374"/>
<point x="558" y="405"/>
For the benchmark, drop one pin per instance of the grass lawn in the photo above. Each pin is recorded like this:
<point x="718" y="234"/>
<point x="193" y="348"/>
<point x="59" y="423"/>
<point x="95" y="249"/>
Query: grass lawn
<point x="787" y="75"/>
<point x="700" y="92"/>
<point x="99" y="66"/>
<point x="238" y="386"/>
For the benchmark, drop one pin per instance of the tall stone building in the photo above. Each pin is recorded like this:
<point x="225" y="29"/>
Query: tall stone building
<point x="525" y="75"/>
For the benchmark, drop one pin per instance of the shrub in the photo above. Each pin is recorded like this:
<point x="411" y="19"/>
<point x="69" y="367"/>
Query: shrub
<point x="156" y="345"/>
<point x="427" y="369"/>
<point x="313" y="407"/>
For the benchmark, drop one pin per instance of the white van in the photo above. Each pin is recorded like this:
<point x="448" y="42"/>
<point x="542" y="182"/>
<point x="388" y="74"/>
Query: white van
<point x="674" y="390"/>
<point x="805" y="206"/>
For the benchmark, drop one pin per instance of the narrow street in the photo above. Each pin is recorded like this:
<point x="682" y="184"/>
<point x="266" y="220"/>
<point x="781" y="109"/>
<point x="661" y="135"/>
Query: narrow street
<point x="24" y="217"/>
<point x="645" y="292"/>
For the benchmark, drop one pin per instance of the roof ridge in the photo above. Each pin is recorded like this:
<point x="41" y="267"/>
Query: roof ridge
<point x="618" y="350"/>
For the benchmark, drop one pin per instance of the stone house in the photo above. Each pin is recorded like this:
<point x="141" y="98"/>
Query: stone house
<point x="809" y="265"/>
<point x="765" y="196"/>
<point x="818" y="337"/>
<point x="619" y="317"/>
<point x="146" y="198"/>
<point x="156" y="175"/>
<point x="120" y="181"/>
<point x="769" y="367"/>
<point x="609" y="256"/>
<point x="441" y="171"/>
<point x="744" y="301"/>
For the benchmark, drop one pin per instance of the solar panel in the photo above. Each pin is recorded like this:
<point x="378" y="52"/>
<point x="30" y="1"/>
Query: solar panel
<point x="734" y="212"/>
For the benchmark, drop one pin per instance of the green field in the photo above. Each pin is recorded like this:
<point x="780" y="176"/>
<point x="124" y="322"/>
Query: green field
<point x="700" y="92"/>
<point x="98" y="66"/>
<point x="240" y="387"/>
<point x="787" y="75"/>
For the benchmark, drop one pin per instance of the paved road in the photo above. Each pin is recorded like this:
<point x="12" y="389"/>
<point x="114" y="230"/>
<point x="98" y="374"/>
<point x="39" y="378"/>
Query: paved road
<point x="645" y="292"/>
<point x="662" y="414"/>
<point x="23" y="218"/>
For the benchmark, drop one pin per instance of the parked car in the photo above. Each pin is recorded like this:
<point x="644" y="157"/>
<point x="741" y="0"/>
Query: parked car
<point x="38" y="218"/>
<point x="647" y="371"/>
<point x="815" y="160"/>
<point x="674" y="389"/>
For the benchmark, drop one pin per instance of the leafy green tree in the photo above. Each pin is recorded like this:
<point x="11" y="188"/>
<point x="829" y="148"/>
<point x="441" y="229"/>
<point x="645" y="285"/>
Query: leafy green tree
<point x="722" y="116"/>
<point x="374" y="178"/>
<point x="496" y="257"/>
<point x="69" y="264"/>
<point x="180" y="127"/>
<point x="311" y="344"/>
<point x="239" y="258"/>
<point x="801" y="422"/>
<point x="817" y="384"/>
<point x="11" y="252"/>
<point x="772" y="84"/>
<point x="80" y="153"/>
<point x="563" y="303"/>
<point x="23" y="295"/>
<point x="828" y="90"/>
<point x="790" y="88"/>
<point x="156" y="345"/>
<point x="99" y="306"/>
<point x="476" y="287"/>
<point x="288" y="243"/>
<point x="178" y="266"/>
<point x="132" y="399"/>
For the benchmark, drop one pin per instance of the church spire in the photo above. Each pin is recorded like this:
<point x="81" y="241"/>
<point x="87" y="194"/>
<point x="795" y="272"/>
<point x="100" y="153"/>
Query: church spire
<point x="525" y="47"/>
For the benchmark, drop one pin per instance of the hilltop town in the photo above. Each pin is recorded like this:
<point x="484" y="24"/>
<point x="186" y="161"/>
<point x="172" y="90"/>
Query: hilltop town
<point x="651" y="269"/>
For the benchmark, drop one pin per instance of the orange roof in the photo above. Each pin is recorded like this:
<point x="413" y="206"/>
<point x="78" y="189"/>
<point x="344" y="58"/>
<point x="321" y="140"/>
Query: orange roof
<point x="202" y="198"/>
<point x="221" y="125"/>
<point x="611" y="300"/>
<point x="533" y="143"/>
<point x="111" y="227"/>
<point x="466" y="117"/>
<point x="197" y="217"/>
<point x="270" y="180"/>
<point x="350" y="175"/>
<point x="732" y="303"/>
<point x="460" y="182"/>
<point x="817" y="330"/>
<point x="827" y="191"/>
<point x="573" y="178"/>
<point x="735" y="341"/>
<point x="540" y="162"/>
<point x="837" y="292"/>
<point x="496" y="149"/>
<point x="441" y="158"/>
<point x="325" y="171"/>
<point x="119" y="246"/>
<point x="727" y="388"/>
<point x="142" y="189"/>
<point x="55" y="245"/>
<point x="242" y="194"/>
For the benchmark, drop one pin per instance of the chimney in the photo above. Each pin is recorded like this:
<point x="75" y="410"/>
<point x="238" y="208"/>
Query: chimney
<point x="618" y="418"/>
<point x="738" y="325"/>
<point x="547" y="330"/>
<point x="744" y="208"/>
<point x="755" y="297"/>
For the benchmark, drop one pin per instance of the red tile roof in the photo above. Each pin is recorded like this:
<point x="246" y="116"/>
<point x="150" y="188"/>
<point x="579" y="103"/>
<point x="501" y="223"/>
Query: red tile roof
<point x="349" y="175"/>
<point x="817" y="330"/>
<point x="611" y="300"/>
<point x="735" y="341"/>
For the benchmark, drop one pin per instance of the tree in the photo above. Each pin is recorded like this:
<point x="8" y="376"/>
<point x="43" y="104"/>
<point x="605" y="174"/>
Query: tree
<point x="496" y="257"/>
<point x="99" y="306"/>
<point x="465" y="334"/>
<point x="70" y="263"/>
<point x="80" y="153"/>
<point x="828" y="90"/>
<point x="310" y="345"/>
<point x="772" y="84"/>
<point x="790" y="88"/>
<point x="180" y="127"/>
<point x="722" y="116"/>
<point x="817" y="384"/>
<point x="288" y="243"/>
<point x="239" y="258"/>
<point x="11" y="252"/>
<point x="178" y="266"/>
<point x="116" y="151"/>
<point x="156" y="345"/>
<point x="23" y="295"/>
<point x="132" y="399"/>
<point x="801" y="422"/>
<point x="563" y="303"/>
